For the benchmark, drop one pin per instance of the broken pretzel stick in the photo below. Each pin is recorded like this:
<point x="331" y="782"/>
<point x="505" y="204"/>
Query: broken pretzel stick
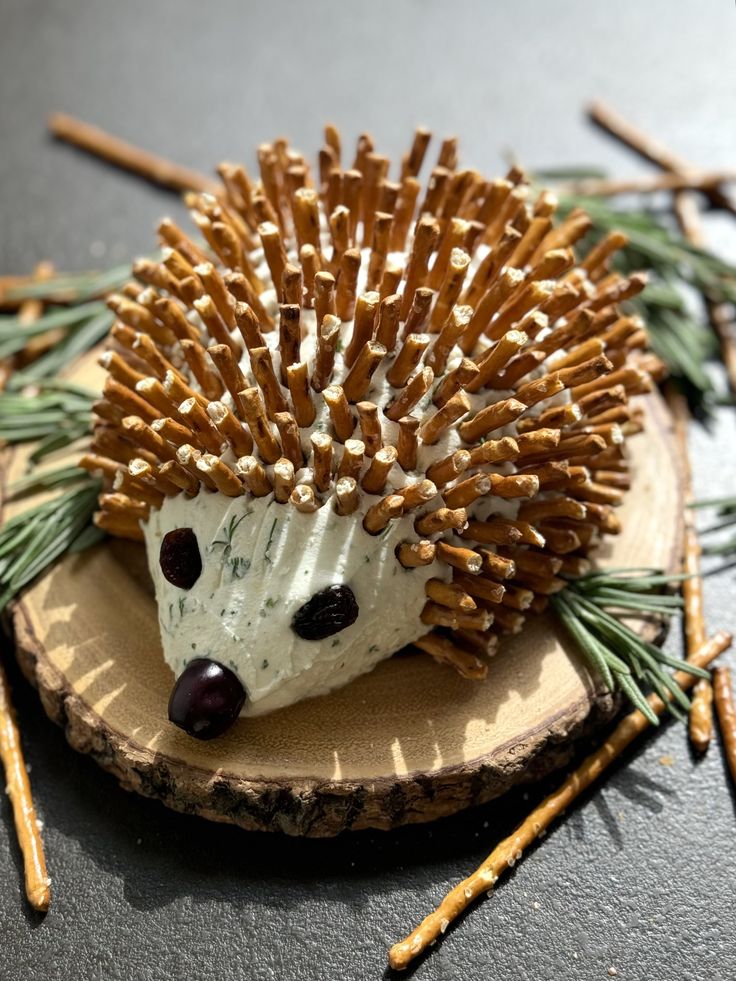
<point x="511" y="849"/>
<point x="726" y="712"/>
<point x="18" y="789"/>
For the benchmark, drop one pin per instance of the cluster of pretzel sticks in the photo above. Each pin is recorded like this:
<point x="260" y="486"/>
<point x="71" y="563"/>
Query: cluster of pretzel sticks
<point x="334" y="330"/>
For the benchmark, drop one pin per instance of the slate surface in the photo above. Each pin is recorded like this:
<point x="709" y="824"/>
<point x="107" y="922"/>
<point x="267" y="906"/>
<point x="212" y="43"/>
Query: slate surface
<point x="639" y="877"/>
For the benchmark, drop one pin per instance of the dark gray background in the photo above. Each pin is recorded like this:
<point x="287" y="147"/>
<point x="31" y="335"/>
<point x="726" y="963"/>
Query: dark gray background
<point x="639" y="877"/>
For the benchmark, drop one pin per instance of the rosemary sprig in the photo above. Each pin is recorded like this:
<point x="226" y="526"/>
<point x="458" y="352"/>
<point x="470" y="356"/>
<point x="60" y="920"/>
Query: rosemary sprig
<point x="67" y="288"/>
<point x="726" y="513"/>
<point x="84" y="325"/>
<point x="31" y="541"/>
<point x="623" y="660"/>
<point x="55" y="414"/>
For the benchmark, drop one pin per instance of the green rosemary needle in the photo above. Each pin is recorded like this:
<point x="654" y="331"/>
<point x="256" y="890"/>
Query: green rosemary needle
<point x="31" y="541"/>
<point x="68" y="288"/>
<point x="725" y="508"/>
<point x="623" y="659"/>
<point x="55" y="414"/>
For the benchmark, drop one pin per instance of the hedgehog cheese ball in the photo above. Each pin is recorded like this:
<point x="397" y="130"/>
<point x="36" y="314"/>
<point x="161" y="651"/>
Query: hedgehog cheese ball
<point x="359" y="414"/>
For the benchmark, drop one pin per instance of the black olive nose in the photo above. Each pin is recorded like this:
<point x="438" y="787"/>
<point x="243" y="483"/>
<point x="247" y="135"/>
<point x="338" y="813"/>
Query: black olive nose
<point x="206" y="699"/>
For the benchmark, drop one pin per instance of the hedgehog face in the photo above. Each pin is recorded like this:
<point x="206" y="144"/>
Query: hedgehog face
<point x="293" y="604"/>
<point x="362" y="415"/>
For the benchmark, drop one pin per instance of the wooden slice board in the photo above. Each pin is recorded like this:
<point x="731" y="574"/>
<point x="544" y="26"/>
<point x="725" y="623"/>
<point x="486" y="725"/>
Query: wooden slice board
<point x="410" y="742"/>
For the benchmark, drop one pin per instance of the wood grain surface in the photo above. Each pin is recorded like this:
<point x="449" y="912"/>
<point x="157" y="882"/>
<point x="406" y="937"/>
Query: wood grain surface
<point x="409" y="742"/>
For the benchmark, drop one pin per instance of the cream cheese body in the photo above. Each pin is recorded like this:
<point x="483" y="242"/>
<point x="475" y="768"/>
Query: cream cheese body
<point x="261" y="561"/>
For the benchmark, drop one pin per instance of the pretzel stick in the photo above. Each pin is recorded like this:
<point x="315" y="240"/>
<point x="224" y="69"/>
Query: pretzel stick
<point x="156" y="169"/>
<point x="726" y="712"/>
<point x="509" y="851"/>
<point x="649" y="185"/>
<point x="18" y="789"/>
<point x="692" y="589"/>
<point x="685" y="209"/>
<point x="610" y="121"/>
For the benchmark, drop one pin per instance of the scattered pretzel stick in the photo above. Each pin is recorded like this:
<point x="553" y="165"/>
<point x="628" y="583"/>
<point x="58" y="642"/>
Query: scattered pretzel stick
<point x="688" y="181"/>
<point x="153" y="168"/>
<point x="726" y="711"/>
<point x="19" y="790"/>
<point x="700" y="723"/>
<point x="686" y="210"/>
<point x="510" y="850"/>
<point x="692" y="588"/>
<point x="653" y="151"/>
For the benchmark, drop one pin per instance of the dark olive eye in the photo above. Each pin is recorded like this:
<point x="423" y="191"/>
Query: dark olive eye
<point x="179" y="558"/>
<point x="327" y="612"/>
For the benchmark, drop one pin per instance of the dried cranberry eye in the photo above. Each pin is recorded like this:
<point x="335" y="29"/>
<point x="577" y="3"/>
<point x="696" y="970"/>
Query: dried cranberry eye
<point x="326" y="613"/>
<point x="179" y="558"/>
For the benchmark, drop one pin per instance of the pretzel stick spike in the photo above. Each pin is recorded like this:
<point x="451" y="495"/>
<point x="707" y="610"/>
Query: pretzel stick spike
<point x="340" y="414"/>
<point x="230" y="428"/>
<point x="377" y="473"/>
<point x="254" y="476"/>
<point x="418" y="316"/>
<point x="378" y="516"/>
<point x="347" y="284"/>
<point x="292" y="284"/>
<point x="18" y="788"/>
<point x="297" y="379"/>
<point x="415" y="388"/>
<point x="412" y="555"/>
<point x="407" y="359"/>
<point x="370" y="427"/>
<point x="412" y="162"/>
<point x="283" y="480"/>
<point x="261" y="365"/>
<point x="510" y="850"/>
<point x="426" y="236"/>
<point x="441" y="520"/>
<point x="327" y="337"/>
<point x="358" y="380"/>
<point x="303" y="498"/>
<point x="225" y="480"/>
<point x="407" y="444"/>
<point x="351" y="462"/>
<point x="254" y="414"/>
<point x="444" y="651"/>
<point x="174" y="473"/>
<point x="289" y="337"/>
<point x="453" y="409"/>
<point x="366" y="308"/>
<point x="449" y="595"/>
<point x="347" y="495"/>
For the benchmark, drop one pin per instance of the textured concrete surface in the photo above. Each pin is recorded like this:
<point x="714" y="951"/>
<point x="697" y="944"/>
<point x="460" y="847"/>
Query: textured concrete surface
<point x="639" y="878"/>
